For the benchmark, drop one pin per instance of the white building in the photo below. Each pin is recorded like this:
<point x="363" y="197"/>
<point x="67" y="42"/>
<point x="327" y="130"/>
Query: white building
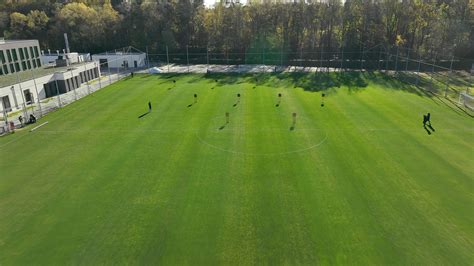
<point x="18" y="55"/>
<point x="14" y="96"/>
<point x="71" y="58"/>
<point x="120" y="59"/>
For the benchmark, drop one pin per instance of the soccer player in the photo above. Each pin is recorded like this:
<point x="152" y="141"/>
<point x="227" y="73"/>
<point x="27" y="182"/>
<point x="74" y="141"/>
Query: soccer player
<point x="424" y="120"/>
<point x="428" y="118"/>
<point x="195" y="98"/>
<point x="227" y="117"/>
<point x="149" y="106"/>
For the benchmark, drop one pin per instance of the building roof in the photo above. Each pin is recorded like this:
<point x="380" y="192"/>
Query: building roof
<point x="118" y="53"/>
<point x="12" y="79"/>
<point x="3" y="41"/>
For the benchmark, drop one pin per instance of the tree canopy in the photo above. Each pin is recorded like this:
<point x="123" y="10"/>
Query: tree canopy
<point x="428" y="27"/>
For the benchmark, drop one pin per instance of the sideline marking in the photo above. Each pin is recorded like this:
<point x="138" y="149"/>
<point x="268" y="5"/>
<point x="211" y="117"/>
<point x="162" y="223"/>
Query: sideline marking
<point x="35" y="128"/>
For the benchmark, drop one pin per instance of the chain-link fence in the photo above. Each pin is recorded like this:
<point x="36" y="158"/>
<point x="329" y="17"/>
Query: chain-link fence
<point x="38" y="92"/>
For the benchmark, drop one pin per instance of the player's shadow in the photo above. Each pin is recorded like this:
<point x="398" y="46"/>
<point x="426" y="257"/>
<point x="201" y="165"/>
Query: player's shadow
<point x="278" y="103"/>
<point x="236" y="103"/>
<point x="191" y="104"/>
<point x="142" y="115"/>
<point x="222" y="127"/>
<point x="429" y="129"/>
<point x="293" y="126"/>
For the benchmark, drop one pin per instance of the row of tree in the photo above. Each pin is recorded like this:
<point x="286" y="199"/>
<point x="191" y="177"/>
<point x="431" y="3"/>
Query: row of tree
<point x="431" y="28"/>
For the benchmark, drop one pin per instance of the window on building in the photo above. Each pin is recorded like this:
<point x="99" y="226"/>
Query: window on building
<point x="12" y="68"/>
<point x="1" y="71"/>
<point x="17" y="67"/>
<point x="2" y="57"/>
<point x="28" y="96"/>
<point x="26" y="53"/>
<point x="9" y="55"/>
<point x="32" y="53"/>
<point x="38" y="62"/>
<point x="15" y="56"/>
<point x="36" y="51"/>
<point x="22" y="55"/>
<point x="34" y="63"/>
<point x="29" y="64"/>
<point x="23" y="64"/>
<point x="6" y="103"/>
<point x="5" y="69"/>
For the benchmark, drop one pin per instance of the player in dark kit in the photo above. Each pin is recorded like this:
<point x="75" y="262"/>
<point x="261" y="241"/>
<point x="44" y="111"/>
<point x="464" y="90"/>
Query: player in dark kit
<point x="149" y="106"/>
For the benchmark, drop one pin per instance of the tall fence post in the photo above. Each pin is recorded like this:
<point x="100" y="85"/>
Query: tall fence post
<point x="73" y="85"/>
<point x="408" y="60"/>
<point x="362" y="59"/>
<point x="5" y="115"/>
<point x="37" y="94"/>
<point x="187" y="57"/>
<point x="449" y="77"/>
<point x="147" y="57"/>
<point x="100" y="82"/>
<point x="57" y="91"/>
<point x="432" y="72"/>
<point x="396" y="59"/>
<point x="281" y="56"/>
<point x="301" y="56"/>
<point x="207" y="56"/>
<point x="342" y="58"/>
<point x="321" y="59"/>
<point x="168" y="58"/>
<point x="418" y="72"/>
<point x="380" y="58"/>
<point x="25" y="112"/>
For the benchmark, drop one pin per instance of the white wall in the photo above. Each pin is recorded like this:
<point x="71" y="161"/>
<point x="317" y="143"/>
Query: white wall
<point x="116" y="60"/>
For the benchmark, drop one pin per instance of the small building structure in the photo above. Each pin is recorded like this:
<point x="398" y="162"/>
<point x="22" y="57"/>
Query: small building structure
<point x="121" y="59"/>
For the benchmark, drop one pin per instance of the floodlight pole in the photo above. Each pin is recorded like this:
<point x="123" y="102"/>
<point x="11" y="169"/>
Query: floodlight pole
<point x="187" y="57"/>
<point x="362" y="59"/>
<point x="37" y="94"/>
<point x="168" y="58"/>
<point x="388" y="59"/>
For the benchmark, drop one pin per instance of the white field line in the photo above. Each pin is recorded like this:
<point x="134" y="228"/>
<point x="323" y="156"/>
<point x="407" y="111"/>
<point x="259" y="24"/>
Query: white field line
<point x="35" y="128"/>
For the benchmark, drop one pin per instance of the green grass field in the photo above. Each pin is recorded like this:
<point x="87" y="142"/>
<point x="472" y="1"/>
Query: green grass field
<point x="356" y="181"/>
